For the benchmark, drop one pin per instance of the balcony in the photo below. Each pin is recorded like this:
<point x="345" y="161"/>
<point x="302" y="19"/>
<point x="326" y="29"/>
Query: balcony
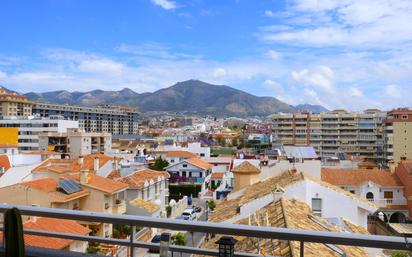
<point x="387" y="201"/>
<point x="119" y="207"/>
<point x="301" y="236"/>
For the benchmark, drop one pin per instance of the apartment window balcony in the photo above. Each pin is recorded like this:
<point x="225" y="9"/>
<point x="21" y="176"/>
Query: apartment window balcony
<point x="302" y="236"/>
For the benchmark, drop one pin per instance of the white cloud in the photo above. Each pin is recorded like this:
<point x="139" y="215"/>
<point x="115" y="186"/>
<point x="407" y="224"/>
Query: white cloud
<point x="3" y="75"/>
<point x="269" y="13"/>
<point x="219" y="73"/>
<point x="322" y="77"/>
<point x="353" y="91"/>
<point x="272" y="54"/>
<point x="101" y="65"/>
<point x="393" y="91"/>
<point x="347" y="23"/>
<point x="165" y="4"/>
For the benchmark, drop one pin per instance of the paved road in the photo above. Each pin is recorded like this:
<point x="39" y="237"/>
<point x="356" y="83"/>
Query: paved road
<point x="196" y="238"/>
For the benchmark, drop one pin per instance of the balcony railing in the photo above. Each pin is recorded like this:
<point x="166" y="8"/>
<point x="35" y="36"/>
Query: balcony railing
<point x="389" y="201"/>
<point x="302" y="236"/>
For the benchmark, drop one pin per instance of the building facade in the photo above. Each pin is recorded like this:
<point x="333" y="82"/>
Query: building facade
<point x="29" y="128"/>
<point x="13" y="104"/>
<point x="75" y="142"/>
<point x="358" y="134"/>
<point x="398" y="135"/>
<point x="117" y="120"/>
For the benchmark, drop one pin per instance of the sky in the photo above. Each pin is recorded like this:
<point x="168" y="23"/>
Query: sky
<point x="352" y="54"/>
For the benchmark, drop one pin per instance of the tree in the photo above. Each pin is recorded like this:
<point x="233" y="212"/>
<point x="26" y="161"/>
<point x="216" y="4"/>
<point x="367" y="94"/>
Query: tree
<point x="159" y="164"/>
<point x="179" y="239"/>
<point x="212" y="205"/>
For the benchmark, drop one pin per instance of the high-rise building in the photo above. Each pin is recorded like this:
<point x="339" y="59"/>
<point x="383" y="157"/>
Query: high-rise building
<point x="12" y="104"/>
<point x="117" y="120"/>
<point x="398" y="135"/>
<point x="331" y="133"/>
<point x="30" y="127"/>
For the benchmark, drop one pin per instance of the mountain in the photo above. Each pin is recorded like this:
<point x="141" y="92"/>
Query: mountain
<point x="192" y="96"/>
<point x="311" y="107"/>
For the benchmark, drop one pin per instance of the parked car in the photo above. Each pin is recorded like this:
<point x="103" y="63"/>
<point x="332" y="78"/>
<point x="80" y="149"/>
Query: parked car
<point x="190" y="214"/>
<point x="156" y="240"/>
<point x="197" y="209"/>
<point x="182" y="217"/>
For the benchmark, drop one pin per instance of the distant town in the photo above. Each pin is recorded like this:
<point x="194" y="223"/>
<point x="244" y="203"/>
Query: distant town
<point x="326" y="171"/>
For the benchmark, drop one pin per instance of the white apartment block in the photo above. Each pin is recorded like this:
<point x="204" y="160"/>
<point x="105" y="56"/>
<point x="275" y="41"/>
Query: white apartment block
<point x="331" y="133"/>
<point x="30" y="127"/>
<point x="117" y="120"/>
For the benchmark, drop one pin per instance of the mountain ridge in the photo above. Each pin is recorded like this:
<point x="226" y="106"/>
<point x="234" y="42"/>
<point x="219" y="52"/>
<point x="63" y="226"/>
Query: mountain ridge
<point x="193" y="96"/>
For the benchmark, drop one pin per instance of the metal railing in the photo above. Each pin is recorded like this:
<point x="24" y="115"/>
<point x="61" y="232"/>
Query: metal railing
<point x="302" y="236"/>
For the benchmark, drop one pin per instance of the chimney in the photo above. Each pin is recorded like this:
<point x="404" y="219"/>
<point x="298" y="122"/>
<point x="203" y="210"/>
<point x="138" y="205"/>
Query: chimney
<point x="80" y="160"/>
<point x="83" y="177"/>
<point x="392" y="166"/>
<point x="293" y="171"/>
<point x="96" y="164"/>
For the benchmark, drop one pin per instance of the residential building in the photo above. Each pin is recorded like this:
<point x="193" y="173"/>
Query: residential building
<point x="381" y="187"/>
<point x="106" y="118"/>
<point x="55" y="226"/>
<point x="326" y="200"/>
<point x="193" y="169"/>
<point x="220" y="164"/>
<point x="193" y="147"/>
<point x="173" y="157"/>
<point x="148" y="192"/>
<point x="29" y="128"/>
<point x="332" y="133"/>
<point x="75" y="142"/>
<point x="404" y="173"/>
<point x="285" y="213"/>
<point x="245" y="174"/>
<point x="12" y="104"/>
<point x="398" y="135"/>
<point x="91" y="193"/>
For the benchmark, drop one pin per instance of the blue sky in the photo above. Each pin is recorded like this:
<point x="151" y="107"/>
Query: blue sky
<point x="351" y="54"/>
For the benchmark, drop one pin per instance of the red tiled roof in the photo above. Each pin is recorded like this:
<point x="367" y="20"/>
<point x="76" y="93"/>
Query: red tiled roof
<point x="72" y="165"/>
<point x="4" y="162"/>
<point x="217" y="175"/>
<point x="100" y="183"/>
<point x="359" y="176"/>
<point x="183" y="154"/>
<point x="199" y="163"/>
<point x="52" y="225"/>
<point x="8" y="146"/>
<point x="137" y="179"/>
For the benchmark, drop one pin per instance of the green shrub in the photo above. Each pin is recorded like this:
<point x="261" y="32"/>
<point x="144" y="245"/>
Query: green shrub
<point x="169" y="210"/>
<point x="179" y="239"/>
<point x="212" y="205"/>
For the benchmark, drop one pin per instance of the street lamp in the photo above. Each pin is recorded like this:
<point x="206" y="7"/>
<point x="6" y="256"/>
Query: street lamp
<point x="226" y="246"/>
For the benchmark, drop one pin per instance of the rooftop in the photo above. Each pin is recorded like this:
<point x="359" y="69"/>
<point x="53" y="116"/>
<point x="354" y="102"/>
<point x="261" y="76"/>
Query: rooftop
<point x="246" y="168"/>
<point x="359" y="176"/>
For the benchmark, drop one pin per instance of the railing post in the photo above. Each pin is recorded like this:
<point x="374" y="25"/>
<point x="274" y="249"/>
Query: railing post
<point x="164" y="244"/>
<point x="132" y="240"/>
<point x="302" y="249"/>
<point x="226" y="246"/>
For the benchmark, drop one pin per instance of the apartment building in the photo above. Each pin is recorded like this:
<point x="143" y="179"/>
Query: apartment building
<point x="30" y="127"/>
<point x="117" y="120"/>
<point x="12" y="104"/>
<point x="358" y="134"/>
<point x="398" y="135"/>
<point x="75" y="142"/>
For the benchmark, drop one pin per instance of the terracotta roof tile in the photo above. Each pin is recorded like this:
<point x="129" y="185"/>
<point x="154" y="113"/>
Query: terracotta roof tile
<point x="100" y="183"/>
<point x="183" y="154"/>
<point x="246" y="168"/>
<point x="138" y="178"/>
<point x="199" y="163"/>
<point x="4" y="162"/>
<point x="52" y="225"/>
<point x="340" y="177"/>
<point x="147" y="205"/>
<point x="72" y="165"/>
<point x="217" y="175"/>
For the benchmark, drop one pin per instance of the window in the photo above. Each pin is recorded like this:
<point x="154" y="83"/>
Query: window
<point x="388" y="194"/>
<point x="184" y="165"/>
<point x="202" y="155"/>
<point x="369" y="196"/>
<point x="352" y="191"/>
<point x="404" y="117"/>
<point x="317" y="206"/>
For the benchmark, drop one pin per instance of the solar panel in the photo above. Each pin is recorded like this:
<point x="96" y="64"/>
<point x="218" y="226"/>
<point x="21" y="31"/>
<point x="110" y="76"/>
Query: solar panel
<point x="69" y="186"/>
